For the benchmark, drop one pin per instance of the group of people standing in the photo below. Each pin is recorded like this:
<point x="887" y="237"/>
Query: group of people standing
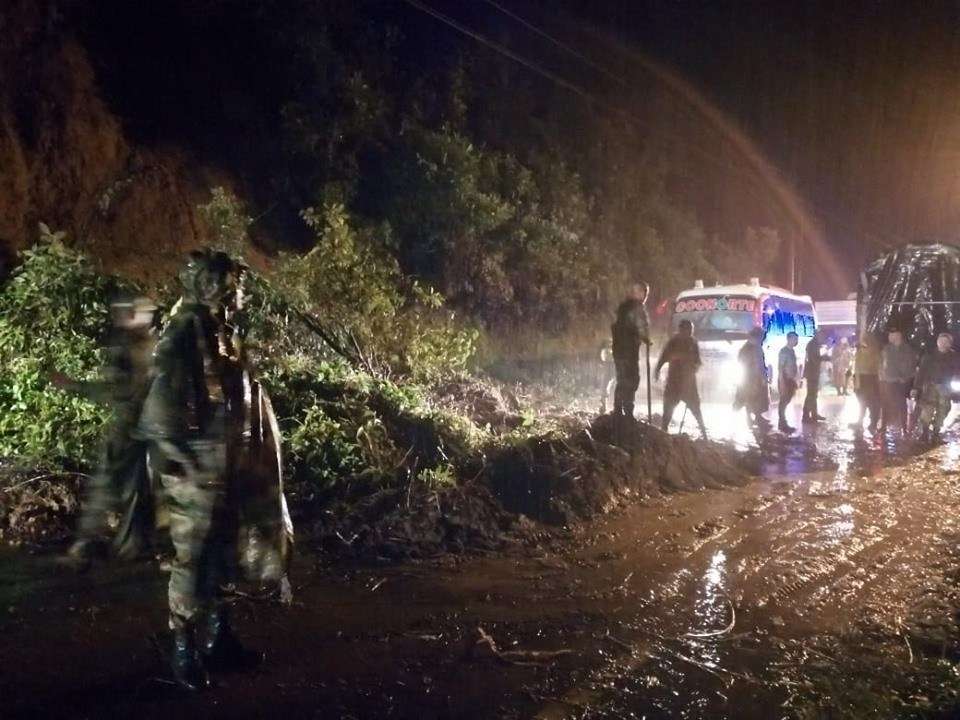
<point x="885" y="376"/>
<point x="193" y="436"/>
<point x="630" y="332"/>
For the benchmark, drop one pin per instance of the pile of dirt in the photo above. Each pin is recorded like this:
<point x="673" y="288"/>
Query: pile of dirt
<point x="485" y="403"/>
<point x="36" y="507"/>
<point x="558" y="479"/>
<point x="398" y="524"/>
<point x="565" y="480"/>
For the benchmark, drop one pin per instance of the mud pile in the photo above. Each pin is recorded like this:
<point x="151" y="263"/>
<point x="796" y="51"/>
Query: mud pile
<point x="564" y="480"/>
<point x="486" y="404"/>
<point x="36" y="507"/>
<point x="559" y="480"/>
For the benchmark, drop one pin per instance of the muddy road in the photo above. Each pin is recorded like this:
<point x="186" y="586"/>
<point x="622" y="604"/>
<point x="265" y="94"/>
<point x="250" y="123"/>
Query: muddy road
<point x="809" y="594"/>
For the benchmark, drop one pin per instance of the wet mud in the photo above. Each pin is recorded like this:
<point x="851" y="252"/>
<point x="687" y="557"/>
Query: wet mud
<point x="829" y="593"/>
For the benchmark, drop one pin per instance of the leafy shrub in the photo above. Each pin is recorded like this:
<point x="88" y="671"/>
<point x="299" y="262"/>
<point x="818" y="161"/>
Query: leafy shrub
<point x="53" y="315"/>
<point x="346" y="298"/>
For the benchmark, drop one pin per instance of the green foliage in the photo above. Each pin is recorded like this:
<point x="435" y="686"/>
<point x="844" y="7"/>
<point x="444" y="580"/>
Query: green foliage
<point x="438" y="478"/>
<point x="354" y="293"/>
<point x="226" y="217"/>
<point x="502" y="241"/>
<point x="340" y="424"/>
<point x="53" y="314"/>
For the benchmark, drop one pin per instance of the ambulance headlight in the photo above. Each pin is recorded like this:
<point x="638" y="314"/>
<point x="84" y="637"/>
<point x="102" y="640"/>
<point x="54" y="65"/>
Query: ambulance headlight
<point x="955" y="385"/>
<point x="732" y="373"/>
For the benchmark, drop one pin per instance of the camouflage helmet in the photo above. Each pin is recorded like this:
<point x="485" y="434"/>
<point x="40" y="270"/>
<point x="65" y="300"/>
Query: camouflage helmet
<point x="206" y="276"/>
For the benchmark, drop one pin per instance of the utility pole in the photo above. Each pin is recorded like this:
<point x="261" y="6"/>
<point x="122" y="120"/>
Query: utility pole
<point x="792" y="263"/>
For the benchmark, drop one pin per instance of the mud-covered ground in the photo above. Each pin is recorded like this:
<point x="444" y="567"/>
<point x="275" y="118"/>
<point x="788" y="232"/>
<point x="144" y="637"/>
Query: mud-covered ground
<point x="829" y="593"/>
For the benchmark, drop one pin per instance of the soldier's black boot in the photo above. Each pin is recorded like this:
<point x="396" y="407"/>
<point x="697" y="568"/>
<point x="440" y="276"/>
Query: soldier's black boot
<point x="222" y="651"/>
<point x="188" y="669"/>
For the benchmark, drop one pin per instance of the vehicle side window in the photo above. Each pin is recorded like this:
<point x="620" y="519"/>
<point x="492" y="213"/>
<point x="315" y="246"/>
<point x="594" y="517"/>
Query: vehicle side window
<point x="788" y="322"/>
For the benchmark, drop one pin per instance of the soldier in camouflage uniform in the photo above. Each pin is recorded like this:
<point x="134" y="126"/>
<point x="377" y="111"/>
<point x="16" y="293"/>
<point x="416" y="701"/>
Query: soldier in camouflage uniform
<point x="185" y="421"/>
<point x="121" y="483"/>
<point x="932" y="388"/>
<point x="630" y="329"/>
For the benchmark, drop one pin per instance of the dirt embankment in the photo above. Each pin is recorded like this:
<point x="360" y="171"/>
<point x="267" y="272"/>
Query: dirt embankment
<point x="506" y="494"/>
<point x="66" y="160"/>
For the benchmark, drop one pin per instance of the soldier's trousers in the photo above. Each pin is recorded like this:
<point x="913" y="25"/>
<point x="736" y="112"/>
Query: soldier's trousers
<point x="628" y="380"/>
<point x="933" y="408"/>
<point x="200" y="529"/>
<point x="121" y="484"/>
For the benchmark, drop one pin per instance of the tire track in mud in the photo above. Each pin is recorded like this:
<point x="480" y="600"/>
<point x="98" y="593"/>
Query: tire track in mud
<point x="813" y="554"/>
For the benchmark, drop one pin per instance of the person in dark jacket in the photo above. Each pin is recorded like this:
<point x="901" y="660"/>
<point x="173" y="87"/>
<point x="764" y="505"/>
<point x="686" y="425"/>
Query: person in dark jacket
<point x="932" y="387"/>
<point x="682" y="358"/>
<point x="630" y="329"/>
<point x="898" y="368"/>
<point x="812" y="365"/>
<point x="752" y="392"/>
<point x="787" y="379"/>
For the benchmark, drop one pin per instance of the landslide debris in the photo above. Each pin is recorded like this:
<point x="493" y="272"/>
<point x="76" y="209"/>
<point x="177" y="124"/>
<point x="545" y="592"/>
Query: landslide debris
<point x="562" y="480"/>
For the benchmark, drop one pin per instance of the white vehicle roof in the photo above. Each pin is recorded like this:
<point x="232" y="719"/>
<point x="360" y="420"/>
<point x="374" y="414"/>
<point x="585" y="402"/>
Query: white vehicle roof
<point x="837" y="312"/>
<point x="744" y="290"/>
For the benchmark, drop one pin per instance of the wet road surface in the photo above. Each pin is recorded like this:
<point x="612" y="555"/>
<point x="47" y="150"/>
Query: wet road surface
<point x="804" y="594"/>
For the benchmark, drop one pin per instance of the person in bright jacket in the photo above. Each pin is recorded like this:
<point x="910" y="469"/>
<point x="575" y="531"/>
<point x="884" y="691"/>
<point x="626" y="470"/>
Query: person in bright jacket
<point x="630" y="329"/>
<point x="840" y="362"/>
<point x="682" y="358"/>
<point x="932" y="388"/>
<point x="788" y="377"/>
<point x="866" y="381"/>
<point x="898" y="367"/>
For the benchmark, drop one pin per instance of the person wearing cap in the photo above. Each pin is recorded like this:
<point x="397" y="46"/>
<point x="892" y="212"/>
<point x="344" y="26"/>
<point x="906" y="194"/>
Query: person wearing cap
<point x="898" y="367"/>
<point x="932" y="387"/>
<point x="752" y="392"/>
<point x="121" y="483"/>
<point x="630" y="329"/>
<point x="185" y="419"/>
<point x="682" y="358"/>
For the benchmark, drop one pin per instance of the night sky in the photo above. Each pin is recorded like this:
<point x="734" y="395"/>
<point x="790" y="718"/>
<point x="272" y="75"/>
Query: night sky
<point x="857" y="104"/>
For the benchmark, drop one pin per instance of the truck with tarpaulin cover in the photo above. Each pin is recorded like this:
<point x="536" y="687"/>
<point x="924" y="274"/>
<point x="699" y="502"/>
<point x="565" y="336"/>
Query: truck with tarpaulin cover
<point x="914" y="289"/>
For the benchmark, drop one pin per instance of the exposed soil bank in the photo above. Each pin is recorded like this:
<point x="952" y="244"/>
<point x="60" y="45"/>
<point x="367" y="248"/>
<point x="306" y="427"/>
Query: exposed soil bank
<point x="558" y="480"/>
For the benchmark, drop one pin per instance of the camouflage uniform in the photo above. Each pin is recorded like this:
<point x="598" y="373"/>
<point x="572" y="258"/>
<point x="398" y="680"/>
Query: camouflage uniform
<point x="121" y="482"/>
<point x="216" y="443"/>
<point x="184" y="420"/>
<point x="936" y="371"/>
